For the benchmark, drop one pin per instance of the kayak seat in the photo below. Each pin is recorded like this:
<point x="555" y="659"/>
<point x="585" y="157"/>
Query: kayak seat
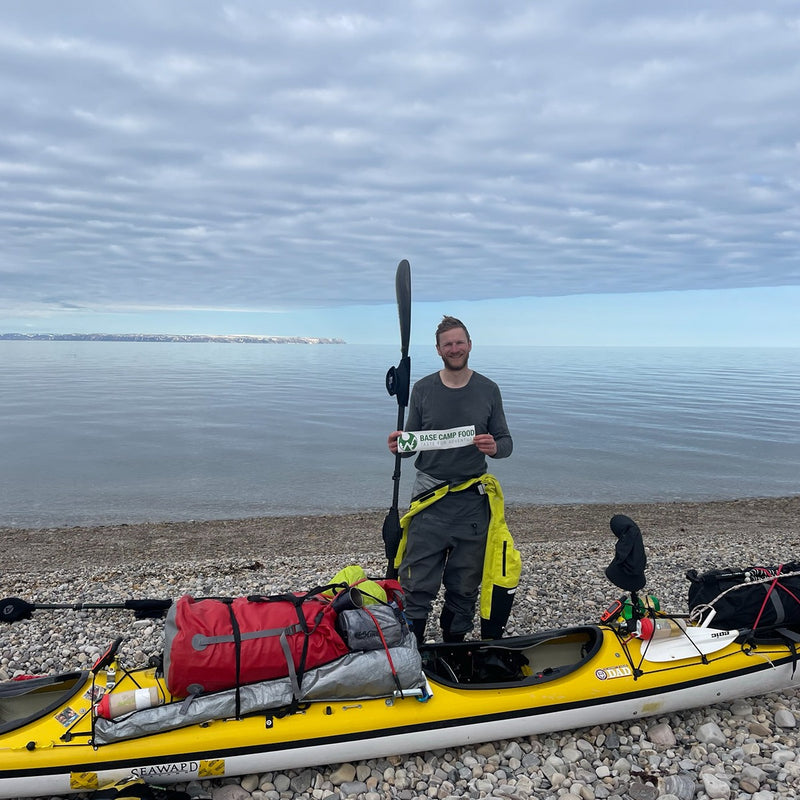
<point x="23" y="701"/>
<point x="517" y="661"/>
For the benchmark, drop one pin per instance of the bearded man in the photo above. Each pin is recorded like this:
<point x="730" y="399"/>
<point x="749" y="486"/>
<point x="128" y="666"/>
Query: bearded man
<point x="445" y="537"/>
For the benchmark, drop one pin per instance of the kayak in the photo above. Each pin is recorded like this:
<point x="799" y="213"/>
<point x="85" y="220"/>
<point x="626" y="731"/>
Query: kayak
<point x="211" y="705"/>
<point x="54" y="741"/>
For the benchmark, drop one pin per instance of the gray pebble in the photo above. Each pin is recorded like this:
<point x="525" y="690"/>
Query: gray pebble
<point x="230" y="791"/>
<point x="741" y="708"/>
<point x="661" y="734"/>
<point x="353" y="788"/>
<point x="710" y="733"/>
<point x="571" y="754"/>
<point x="680" y="786"/>
<point x="302" y="782"/>
<point x="642" y="791"/>
<point x="346" y="773"/>
<point x="760" y="729"/>
<point x="785" y="719"/>
<point x="715" y="787"/>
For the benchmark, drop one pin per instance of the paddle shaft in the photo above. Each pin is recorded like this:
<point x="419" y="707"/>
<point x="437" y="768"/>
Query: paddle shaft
<point x="13" y="609"/>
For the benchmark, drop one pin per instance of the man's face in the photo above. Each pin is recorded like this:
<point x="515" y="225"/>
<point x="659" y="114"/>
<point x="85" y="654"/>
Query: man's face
<point x="454" y="348"/>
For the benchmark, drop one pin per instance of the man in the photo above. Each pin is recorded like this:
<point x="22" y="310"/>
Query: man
<point x="445" y="541"/>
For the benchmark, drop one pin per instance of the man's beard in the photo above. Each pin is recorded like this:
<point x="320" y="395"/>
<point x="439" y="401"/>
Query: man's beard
<point x="458" y="366"/>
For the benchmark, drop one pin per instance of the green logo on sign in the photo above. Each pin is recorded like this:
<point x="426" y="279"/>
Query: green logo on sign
<point x="407" y="443"/>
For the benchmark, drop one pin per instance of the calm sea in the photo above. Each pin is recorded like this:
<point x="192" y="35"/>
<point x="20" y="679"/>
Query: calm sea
<point x="100" y="432"/>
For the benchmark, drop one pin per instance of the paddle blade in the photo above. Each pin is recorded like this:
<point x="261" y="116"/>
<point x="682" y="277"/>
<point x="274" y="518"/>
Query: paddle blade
<point x="13" y="609"/>
<point x="692" y="643"/>
<point x="149" y="608"/>
<point x="392" y="533"/>
<point x="108" y="656"/>
<point x="398" y="379"/>
<point x="402" y="283"/>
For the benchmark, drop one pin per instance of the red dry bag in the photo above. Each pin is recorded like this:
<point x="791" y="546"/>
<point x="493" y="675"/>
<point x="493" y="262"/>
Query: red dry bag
<point x="214" y="644"/>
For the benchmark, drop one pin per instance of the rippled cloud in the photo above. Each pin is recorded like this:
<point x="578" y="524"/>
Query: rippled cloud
<point x="198" y="155"/>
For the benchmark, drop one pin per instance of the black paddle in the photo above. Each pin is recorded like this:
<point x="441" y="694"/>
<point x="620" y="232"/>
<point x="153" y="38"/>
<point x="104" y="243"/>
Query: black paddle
<point x="398" y="383"/>
<point x="13" y="609"/>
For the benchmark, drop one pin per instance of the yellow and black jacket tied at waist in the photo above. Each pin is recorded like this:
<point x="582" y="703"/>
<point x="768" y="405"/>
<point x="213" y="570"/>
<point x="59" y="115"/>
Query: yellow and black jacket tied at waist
<point x="502" y="563"/>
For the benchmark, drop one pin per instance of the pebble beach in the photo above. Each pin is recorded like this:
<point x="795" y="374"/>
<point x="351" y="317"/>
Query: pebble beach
<point x="747" y="749"/>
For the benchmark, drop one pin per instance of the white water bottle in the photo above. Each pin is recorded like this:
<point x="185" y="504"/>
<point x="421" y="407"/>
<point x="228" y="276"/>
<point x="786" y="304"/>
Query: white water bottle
<point x="116" y="704"/>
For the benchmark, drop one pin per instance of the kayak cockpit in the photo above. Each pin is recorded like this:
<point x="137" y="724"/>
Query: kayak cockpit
<point x="23" y="701"/>
<point x="516" y="661"/>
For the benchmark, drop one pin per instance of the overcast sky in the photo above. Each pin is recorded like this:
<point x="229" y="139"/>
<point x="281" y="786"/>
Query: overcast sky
<point x="558" y="172"/>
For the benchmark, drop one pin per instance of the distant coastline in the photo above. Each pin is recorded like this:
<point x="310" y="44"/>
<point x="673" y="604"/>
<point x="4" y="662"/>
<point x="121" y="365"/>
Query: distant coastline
<point x="164" y="337"/>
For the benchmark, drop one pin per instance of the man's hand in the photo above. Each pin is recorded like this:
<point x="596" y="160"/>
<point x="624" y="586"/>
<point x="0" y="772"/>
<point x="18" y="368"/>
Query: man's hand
<point x="393" y="437"/>
<point x="483" y="441"/>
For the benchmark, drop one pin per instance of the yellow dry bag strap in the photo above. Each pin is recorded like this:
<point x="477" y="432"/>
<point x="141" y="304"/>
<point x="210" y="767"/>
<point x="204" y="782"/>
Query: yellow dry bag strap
<point x="502" y="564"/>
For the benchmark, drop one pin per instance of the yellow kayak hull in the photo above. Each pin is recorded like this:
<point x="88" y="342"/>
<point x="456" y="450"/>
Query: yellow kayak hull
<point x="578" y="677"/>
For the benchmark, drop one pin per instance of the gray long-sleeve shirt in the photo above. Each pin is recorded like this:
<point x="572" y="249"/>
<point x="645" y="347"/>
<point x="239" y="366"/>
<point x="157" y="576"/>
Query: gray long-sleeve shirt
<point x="434" y="406"/>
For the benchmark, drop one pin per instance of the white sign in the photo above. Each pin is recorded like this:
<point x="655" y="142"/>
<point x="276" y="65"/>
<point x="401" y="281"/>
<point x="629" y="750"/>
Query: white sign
<point x="411" y="441"/>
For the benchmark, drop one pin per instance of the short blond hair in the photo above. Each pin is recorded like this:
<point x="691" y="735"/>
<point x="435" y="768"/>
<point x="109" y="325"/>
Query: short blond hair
<point x="447" y="324"/>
